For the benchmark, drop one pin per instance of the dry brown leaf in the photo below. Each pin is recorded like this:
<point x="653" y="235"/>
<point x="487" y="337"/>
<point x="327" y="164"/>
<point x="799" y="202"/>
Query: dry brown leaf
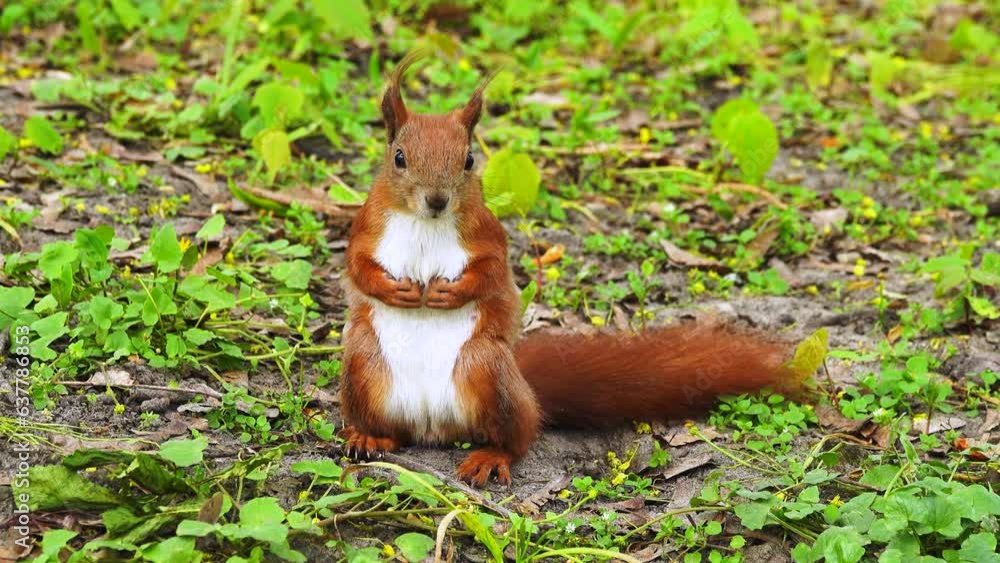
<point x="551" y="256"/>
<point x="680" y="256"/>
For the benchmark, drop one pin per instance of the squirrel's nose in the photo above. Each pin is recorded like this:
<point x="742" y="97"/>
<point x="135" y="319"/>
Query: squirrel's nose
<point x="437" y="202"/>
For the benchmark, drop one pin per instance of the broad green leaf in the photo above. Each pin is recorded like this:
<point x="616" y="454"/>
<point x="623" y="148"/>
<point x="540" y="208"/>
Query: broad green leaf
<point x="727" y="112"/>
<point x="944" y="516"/>
<point x="320" y="467"/>
<point x="840" y="545"/>
<point x="262" y="510"/>
<point x="8" y="142"/>
<point x="198" y="336"/>
<point x="53" y="541"/>
<point x="104" y="311"/>
<point x="510" y="182"/>
<point x="819" y="64"/>
<point x="43" y="135"/>
<point x="13" y="303"/>
<point x="47" y="329"/>
<point x="345" y="19"/>
<point x="295" y="274"/>
<point x="184" y="453"/>
<point x="195" y="528"/>
<point x="950" y="271"/>
<point x="172" y="550"/>
<point x="753" y="140"/>
<point x="85" y="25"/>
<point x="127" y="14"/>
<point x="165" y="250"/>
<point x="274" y="148"/>
<point x="279" y="103"/>
<point x="979" y="548"/>
<point x="880" y="476"/>
<point x="57" y="258"/>
<point x="340" y="193"/>
<point x="753" y="514"/>
<point x="984" y="307"/>
<point x="414" y="546"/>
<point x="55" y="487"/>
<point x="213" y="227"/>
<point x="206" y="290"/>
<point x="810" y="354"/>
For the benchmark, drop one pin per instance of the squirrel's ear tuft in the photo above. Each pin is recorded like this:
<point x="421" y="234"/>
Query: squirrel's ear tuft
<point x="470" y="114"/>
<point x="394" y="112"/>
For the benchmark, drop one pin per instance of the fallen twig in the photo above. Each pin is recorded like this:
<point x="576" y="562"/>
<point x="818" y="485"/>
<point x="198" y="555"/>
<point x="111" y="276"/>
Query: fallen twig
<point x="207" y="392"/>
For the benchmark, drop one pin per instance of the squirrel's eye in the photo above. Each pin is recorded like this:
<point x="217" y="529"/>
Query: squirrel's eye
<point x="469" y="161"/>
<point x="400" y="160"/>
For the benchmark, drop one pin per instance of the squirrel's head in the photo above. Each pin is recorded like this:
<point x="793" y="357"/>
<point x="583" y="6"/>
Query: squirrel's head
<point x="428" y="160"/>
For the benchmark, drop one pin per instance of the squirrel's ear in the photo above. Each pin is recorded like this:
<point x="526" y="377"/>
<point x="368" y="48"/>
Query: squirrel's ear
<point x="394" y="111"/>
<point x="470" y="114"/>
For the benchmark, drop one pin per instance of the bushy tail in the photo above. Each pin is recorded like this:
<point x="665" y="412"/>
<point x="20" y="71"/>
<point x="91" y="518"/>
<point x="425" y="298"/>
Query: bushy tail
<point x="668" y="372"/>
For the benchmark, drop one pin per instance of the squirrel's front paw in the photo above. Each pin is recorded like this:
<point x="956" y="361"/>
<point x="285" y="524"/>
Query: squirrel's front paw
<point x="404" y="293"/>
<point x="359" y="445"/>
<point x="444" y="294"/>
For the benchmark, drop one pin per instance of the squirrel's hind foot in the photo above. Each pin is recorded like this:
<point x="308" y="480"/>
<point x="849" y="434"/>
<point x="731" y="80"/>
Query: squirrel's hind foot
<point x="480" y="464"/>
<point x="359" y="445"/>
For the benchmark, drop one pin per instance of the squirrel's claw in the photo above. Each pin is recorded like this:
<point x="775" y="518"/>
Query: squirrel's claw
<point x="361" y="446"/>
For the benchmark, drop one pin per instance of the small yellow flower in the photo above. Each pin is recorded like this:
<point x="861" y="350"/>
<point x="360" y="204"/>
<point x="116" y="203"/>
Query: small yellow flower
<point x="926" y="130"/>
<point x="464" y="64"/>
<point x="697" y="288"/>
<point x="4" y="183"/>
<point x="869" y="213"/>
<point x="780" y="495"/>
<point x="25" y="143"/>
<point x="133" y="211"/>
<point x="303" y="496"/>
<point x="25" y="72"/>
<point x="127" y="271"/>
<point x="859" y="267"/>
<point x="812" y="290"/>
<point x="203" y="168"/>
<point x="597" y="320"/>
<point x="564" y="494"/>
<point x="645" y="135"/>
<point x="821" y="166"/>
<point x="170" y="84"/>
<point x="735" y="80"/>
<point x="592" y="493"/>
<point x="388" y="551"/>
<point x="119" y="408"/>
<point x="919" y="416"/>
<point x="90" y="469"/>
<point x="141" y="171"/>
<point x="867" y="202"/>
<point x="80" y="206"/>
<point x="103" y="210"/>
<point x="185" y="243"/>
<point x="177" y="104"/>
<point x="230" y="258"/>
<point x="643" y="428"/>
<point x="916" y="221"/>
<point x="552" y="273"/>
<point x="618" y="479"/>
<point x="672" y="116"/>
<point x="835" y="501"/>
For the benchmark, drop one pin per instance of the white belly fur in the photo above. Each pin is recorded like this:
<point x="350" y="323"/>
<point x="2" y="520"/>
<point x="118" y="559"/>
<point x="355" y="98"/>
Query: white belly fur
<point x="421" y="346"/>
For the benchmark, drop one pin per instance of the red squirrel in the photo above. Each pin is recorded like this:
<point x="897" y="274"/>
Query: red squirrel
<point x="431" y="347"/>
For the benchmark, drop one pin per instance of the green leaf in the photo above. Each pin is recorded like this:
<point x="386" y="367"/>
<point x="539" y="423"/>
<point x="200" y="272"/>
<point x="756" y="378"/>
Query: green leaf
<point x="8" y="142"/>
<point x="57" y="258"/>
<point x="53" y="541"/>
<point x="295" y="274"/>
<point x="345" y="19"/>
<point x="274" y="148"/>
<point x="320" y="467"/>
<point x="184" y="453"/>
<point x="754" y="514"/>
<point x="48" y="329"/>
<point x="984" y="307"/>
<point x="727" y="112"/>
<point x="206" y="290"/>
<point x="414" y="546"/>
<point x="840" y="545"/>
<point x="212" y="228"/>
<point x="195" y="528"/>
<point x="979" y="548"/>
<point x="279" y="103"/>
<point x="13" y="303"/>
<point x="880" y="476"/>
<point x="198" y="336"/>
<point x="262" y="510"/>
<point x="85" y="24"/>
<point x="819" y="64"/>
<point x="127" y="14"/>
<point x="943" y="516"/>
<point x="165" y="250"/>
<point x="56" y="487"/>
<point x="510" y="182"/>
<point x="43" y="135"/>
<point x="172" y="550"/>
<point x="753" y="140"/>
